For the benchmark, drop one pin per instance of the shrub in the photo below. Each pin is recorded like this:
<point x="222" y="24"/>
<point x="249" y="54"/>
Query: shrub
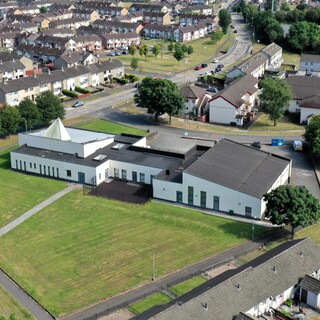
<point x="289" y="303"/>
<point x="82" y="90"/>
<point x="121" y="81"/>
<point x="69" y="93"/>
<point x="131" y="78"/>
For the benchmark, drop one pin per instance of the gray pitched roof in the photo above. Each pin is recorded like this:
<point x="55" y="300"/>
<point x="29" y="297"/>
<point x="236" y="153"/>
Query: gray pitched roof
<point x="310" y="58"/>
<point x="311" y="102"/>
<point x="192" y="92"/>
<point x="237" y="89"/>
<point x="303" y="86"/>
<point x="243" y="288"/>
<point x="239" y="167"/>
<point x="311" y="284"/>
<point x="11" y="65"/>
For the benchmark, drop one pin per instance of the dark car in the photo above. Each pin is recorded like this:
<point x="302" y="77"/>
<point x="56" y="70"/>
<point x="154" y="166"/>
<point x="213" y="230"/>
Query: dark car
<point x="217" y="69"/>
<point x="198" y="68"/>
<point x="212" y="89"/>
<point x="235" y="31"/>
<point x="256" y="144"/>
<point x="78" y="104"/>
<point x="204" y="65"/>
<point x="220" y="66"/>
<point x="125" y="52"/>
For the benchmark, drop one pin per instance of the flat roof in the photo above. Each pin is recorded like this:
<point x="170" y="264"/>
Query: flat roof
<point x="239" y="167"/>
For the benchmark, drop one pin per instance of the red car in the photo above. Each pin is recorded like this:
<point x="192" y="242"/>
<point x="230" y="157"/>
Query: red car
<point x="198" y="68"/>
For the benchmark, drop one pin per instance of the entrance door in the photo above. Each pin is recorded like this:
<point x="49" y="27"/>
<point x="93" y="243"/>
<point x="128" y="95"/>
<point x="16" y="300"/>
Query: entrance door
<point x="81" y="177"/>
<point x="179" y="196"/>
<point x="134" y="176"/>
<point x="304" y="295"/>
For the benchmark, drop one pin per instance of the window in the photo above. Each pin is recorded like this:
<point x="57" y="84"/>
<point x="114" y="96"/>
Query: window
<point x="44" y="170"/>
<point x="142" y="178"/>
<point x="311" y="63"/>
<point x="116" y="172"/>
<point x="203" y="199"/>
<point x="124" y="174"/>
<point x="48" y="170"/>
<point x="248" y="211"/>
<point x="179" y="196"/>
<point x="57" y="172"/>
<point x="34" y="166"/>
<point x="31" y="165"/>
<point x="190" y="195"/>
<point x="16" y="164"/>
<point x="193" y="101"/>
<point x="53" y="171"/>
<point x="40" y="168"/>
<point x="216" y="203"/>
<point x="297" y="102"/>
<point x="68" y="173"/>
<point x="151" y="178"/>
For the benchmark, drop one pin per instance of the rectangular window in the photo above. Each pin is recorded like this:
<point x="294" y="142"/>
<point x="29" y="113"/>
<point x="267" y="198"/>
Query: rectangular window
<point x="190" y="195"/>
<point x="40" y="168"/>
<point x="68" y="173"/>
<point x="34" y="166"/>
<point x="31" y="165"/>
<point x="48" y="170"/>
<point x="16" y="164"/>
<point x="248" y="211"/>
<point x="179" y="196"/>
<point x="20" y="165"/>
<point x="142" y="178"/>
<point x="57" y="172"/>
<point x="53" y="171"/>
<point x="203" y="199"/>
<point x="44" y="170"/>
<point x="216" y="203"/>
<point x="124" y="174"/>
<point x="116" y="172"/>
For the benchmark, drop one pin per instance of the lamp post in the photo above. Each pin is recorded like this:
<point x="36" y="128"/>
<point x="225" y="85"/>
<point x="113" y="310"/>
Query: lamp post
<point x="154" y="254"/>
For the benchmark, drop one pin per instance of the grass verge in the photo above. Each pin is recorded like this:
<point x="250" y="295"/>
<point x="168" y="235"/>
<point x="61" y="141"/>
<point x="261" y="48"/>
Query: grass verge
<point x="83" y="249"/>
<point x="188" y="285"/>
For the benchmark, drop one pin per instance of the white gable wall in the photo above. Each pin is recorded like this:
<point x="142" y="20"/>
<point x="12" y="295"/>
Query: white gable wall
<point x="294" y="106"/>
<point x="221" y="111"/>
<point x="166" y="190"/>
<point x="305" y="112"/>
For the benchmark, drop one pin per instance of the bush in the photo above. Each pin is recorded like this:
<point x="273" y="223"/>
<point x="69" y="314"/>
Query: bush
<point x="121" y="81"/>
<point x="82" y="90"/>
<point x="289" y="303"/>
<point x="131" y="78"/>
<point x="69" y="93"/>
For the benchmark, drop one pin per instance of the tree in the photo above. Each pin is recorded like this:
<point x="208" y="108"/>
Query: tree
<point x="292" y="205"/>
<point x="171" y="47"/>
<point x="159" y="96"/>
<point x="10" y="119"/>
<point x="134" y="63"/>
<point x="178" y="54"/>
<point x="143" y="51"/>
<point x="43" y="9"/>
<point x="216" y="36"/>
<point x="156" y="50"/>
<point x="274" y="98"/>
<point x="29" y="112"/>
<point x="190" y="50"/>
<point x="132" y="49"/>
<point x="312" y="129"/>
<point x="50" y="107"/>
<point x="224" y="20"/>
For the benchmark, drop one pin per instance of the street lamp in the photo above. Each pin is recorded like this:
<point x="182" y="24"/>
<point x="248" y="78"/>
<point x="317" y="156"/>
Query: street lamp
<point x="154" y="265"/>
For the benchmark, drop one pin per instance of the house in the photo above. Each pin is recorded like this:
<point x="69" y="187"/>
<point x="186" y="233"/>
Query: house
<point x="196" y="99"/>
<point x="87" y="14"/>
<point x="118" y="27"/>
<point x="310" y="64"/>
<point x="235" y="104"/>
<point x="162" y="18"/>
<point x="12" y="69"/>
<point x="205" y="177"/>
<point x="72" y="23"/>
<point x="310" y="291"/>
<point x="143" y="7"/>
<point x="73" y="58"/>
<point x="199" y="9"/>
<point x="305" y="91"/>
<point x="119" y="40"/>
<point x="130" y="17"/>
<point x="251" y="290"/>
<point x="27" y="63"/>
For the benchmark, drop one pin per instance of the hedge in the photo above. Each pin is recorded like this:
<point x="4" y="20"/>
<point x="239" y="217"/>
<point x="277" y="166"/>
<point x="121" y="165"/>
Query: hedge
<point x="121" y="81"/>
<point x="81" y="90"/>
<point x="131" y="78"/>
<point x="69" y="93"/>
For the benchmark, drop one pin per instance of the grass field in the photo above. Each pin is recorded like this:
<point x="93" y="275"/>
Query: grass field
<point x="21" y="192"/>
<point x="11" y="307"/>
<point x="154" y="300"/>
<point x="95" y="248"/>
<point x="110" y="127"/>
<point x="188" y="285"/>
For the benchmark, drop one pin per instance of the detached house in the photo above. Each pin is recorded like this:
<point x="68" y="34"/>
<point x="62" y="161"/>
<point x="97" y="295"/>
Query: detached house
<point x="235" y="104"/>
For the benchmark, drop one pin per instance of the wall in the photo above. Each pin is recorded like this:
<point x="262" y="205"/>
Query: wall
<point x="221" y="111"/>
<point x="306" y="112"/>
<point x="166" y="190"/>
<point x="294" y="106"/>
<point x="313" y="299"/>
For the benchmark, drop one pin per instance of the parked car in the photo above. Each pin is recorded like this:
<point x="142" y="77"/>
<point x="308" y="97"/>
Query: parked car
<point x="117" y="53"/>
<point x="198" y="68"/>
<point x="125" y="52"/>
<point x="235" y="31"/>
<point x="256" y="144"/>
<point x="111" y="53"/>
<point x="231" y="26"/>
<point x="215" y="60"/>
<point x="212" y="89"/>
<point x="204" y="65"/>
<point x="220" y="66"/>
<point x="213" y="71"/>
<point x="78" y="104"/>
<point x="297" y="145"/>
<point x="217" y="69"/>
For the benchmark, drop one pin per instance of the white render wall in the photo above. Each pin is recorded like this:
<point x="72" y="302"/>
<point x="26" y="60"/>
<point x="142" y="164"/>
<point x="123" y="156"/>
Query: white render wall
<point x="313" y="300"/>
<point x="294" y="106"/>
<point x="229" y="199"/>
<point x="221" y="111"/>
<point x="306" y="112"/>
<point x="166" y="190"/>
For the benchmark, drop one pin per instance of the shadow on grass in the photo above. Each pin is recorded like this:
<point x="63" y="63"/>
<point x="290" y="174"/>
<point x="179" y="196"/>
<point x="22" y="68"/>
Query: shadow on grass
<point x="5" y="159"/>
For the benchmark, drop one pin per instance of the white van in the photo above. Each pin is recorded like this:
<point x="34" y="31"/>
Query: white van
<point x="297" y="145"/>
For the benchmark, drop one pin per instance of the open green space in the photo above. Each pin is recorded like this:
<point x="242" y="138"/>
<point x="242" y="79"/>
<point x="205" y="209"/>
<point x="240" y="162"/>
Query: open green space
<point x="110" y="127"/>
<point x="10" y="308"/>
<point x="83" y="249"/>
<point x="154" y="300"/>
<point x="204" y="49"/>
<point x="21" y="192"/>
<point x="187" y="285"/>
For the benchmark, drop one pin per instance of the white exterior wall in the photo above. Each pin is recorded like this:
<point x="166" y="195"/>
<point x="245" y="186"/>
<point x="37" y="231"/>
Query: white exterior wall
<point x="294" y="106"/>
<point x="305" y="112"/>
<point x="166" y="190"/>
<point x="71" y="83"/>
<point x="190" y="104"/>
<point x="148" y="171"/>
<point x="309" y="66"/>
<point x="229" y="199"/>
<point x="221" y="111"/>
<point x="141" y="143"/>
<point x="313" y="300"/>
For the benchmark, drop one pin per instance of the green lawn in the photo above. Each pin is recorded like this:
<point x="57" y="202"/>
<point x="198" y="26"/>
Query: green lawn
<point x="21" y="192"/>
<point x="11" y="307"/>
<point x="82" y="249"/>
<point x="188" y="285"/>
<point x="154" y="300"/>
<point x="111" y="127"/>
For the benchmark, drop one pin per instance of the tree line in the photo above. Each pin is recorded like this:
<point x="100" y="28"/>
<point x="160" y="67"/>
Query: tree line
<point x="28" y="114"/>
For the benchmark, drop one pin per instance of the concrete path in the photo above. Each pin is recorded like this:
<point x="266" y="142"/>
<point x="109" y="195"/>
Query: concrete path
<point x="23" y="298"/>
<point x="37" y="208"/>
<point x="123" y="300"/>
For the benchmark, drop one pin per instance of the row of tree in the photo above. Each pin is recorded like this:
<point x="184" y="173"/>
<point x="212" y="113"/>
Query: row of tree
<point x="312" y="135"/>
<point x="29" y="114"/>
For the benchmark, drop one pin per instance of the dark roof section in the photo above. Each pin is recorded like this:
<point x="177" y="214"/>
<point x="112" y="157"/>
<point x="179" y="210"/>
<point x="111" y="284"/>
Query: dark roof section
<point x="303" y="86"/>
<point x="310" y="58"/>
<point x="243" y="288"/>
<point x="311" y="102"/>
<point x="311" y="284"/>
<point x="192" y="92"/>
<point x="239" y="167"/>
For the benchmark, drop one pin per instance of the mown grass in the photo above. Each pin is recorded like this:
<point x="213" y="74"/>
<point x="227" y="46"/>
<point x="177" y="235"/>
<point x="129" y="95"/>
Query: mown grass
<point x="11" y="307"/>
<point x="83" y="249"/>
<point x="110" y="127"/>
<point x="21" y="192"/>
<point x="154" y="300"/>
<point x="188" y="285"/>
